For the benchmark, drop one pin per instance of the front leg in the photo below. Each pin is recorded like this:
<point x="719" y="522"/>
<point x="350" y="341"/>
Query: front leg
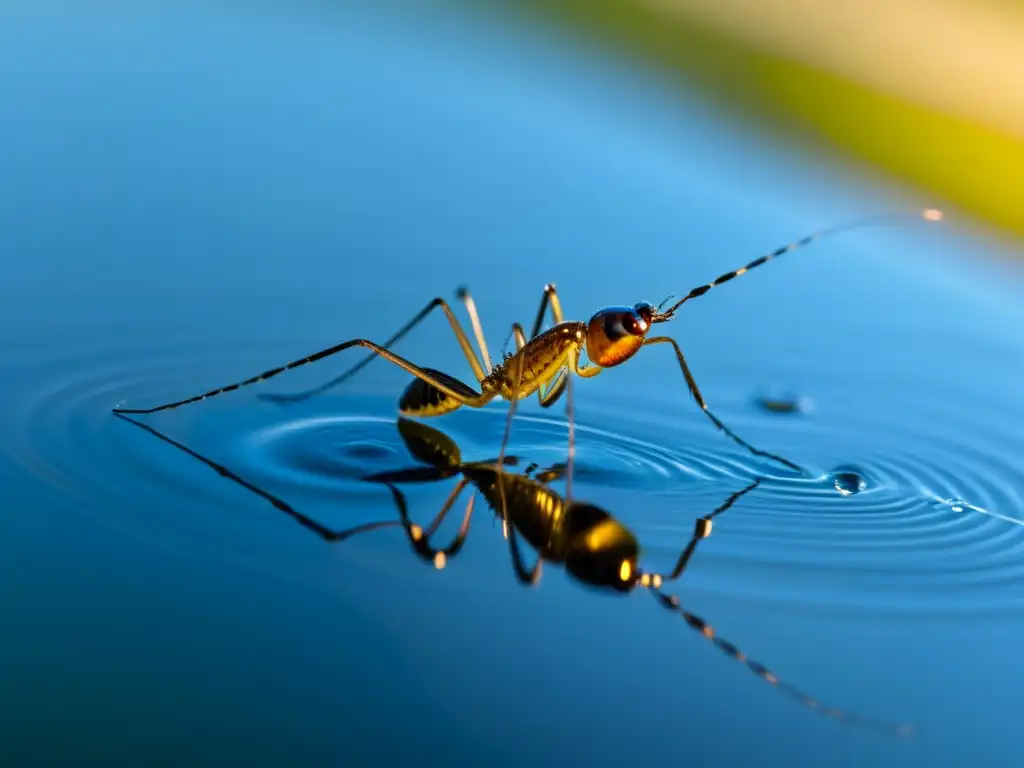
<point x="692" y="385"/>
<point x="701" y="530"/>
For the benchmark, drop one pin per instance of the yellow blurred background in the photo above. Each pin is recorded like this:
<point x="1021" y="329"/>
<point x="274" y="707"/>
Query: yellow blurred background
<point x="931" y="91"/>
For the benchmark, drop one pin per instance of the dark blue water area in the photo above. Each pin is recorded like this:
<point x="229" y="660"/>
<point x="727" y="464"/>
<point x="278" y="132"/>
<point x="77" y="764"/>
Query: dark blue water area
<point x="194" y="194"/>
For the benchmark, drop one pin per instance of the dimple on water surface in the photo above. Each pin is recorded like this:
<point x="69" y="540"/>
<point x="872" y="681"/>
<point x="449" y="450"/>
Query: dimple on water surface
<point x="196" y="195"/>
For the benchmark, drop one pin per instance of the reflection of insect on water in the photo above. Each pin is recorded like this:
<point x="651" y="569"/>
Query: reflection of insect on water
<point x="544" y="362"/>
<point x="593" y="546"/>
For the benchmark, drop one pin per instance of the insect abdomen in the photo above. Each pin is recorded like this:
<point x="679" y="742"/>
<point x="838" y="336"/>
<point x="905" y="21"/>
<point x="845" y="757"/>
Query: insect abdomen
<point x="534" y="509"/>
<point x="428" y="445"/>
<point x="424" y="400"/>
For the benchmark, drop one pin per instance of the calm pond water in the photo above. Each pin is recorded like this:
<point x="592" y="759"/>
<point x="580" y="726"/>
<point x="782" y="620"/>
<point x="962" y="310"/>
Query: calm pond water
<point x="192" y="196"/>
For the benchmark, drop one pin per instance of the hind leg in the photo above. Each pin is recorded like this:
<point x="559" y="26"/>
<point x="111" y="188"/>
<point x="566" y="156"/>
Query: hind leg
<point x="461" y="393"/>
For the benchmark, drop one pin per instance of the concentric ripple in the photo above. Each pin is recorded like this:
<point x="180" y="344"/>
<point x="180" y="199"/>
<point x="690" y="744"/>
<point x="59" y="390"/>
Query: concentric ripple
<point x="908" y="507"/>
<point x="63" y="440"/>
<point x="325" y="452"/>
<point x="929" y="516"/>
<point x="331" y="446"/>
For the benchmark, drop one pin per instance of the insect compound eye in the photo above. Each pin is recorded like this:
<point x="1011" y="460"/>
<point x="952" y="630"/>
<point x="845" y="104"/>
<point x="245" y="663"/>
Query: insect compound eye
<point x="625" y="323"/>
<point x="645" y="311"/>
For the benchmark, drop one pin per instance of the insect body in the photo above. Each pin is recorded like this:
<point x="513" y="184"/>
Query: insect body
<point x="542" y="362"/>
<point x="594" y="547"/>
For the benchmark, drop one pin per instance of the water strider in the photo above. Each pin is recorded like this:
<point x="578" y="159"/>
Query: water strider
<point x="542" y="363"/>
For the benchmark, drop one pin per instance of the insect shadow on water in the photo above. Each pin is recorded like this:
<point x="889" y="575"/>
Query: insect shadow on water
<point x="545" y="361"/>
<point x="784" y="404"/>
<point x="593" y="546"/>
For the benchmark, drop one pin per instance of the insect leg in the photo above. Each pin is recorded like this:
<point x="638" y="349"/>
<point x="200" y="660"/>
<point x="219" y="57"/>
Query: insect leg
<point x="554" y="391"/>
<point x="525" y="576"/>
<point x="550" y="298"/>
<point x="474" y="319"/>
<point x="701" y="530"/>
<point x="517" y="334"/>
<point x="460" y="335"/>
<point x="517" y="379"/>
<point x="420" y="537"/>
<point x="570" y="416"/>
<point x="470" y="398"/>
<point x="550" y="394"/>
<point x="556" y="388"/>
<point x="320" y="530"/>
<point x="586" y="371"/>
<point x="692" y="384"/>
<point x="560" y="384"/>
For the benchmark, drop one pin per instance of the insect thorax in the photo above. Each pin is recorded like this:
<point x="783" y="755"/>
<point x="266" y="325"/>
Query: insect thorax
<point x="537" y="363"/>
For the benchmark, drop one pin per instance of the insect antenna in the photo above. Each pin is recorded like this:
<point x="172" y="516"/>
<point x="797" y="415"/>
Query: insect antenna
<point x="671" y="602"/>
<point x="929" y="214"/>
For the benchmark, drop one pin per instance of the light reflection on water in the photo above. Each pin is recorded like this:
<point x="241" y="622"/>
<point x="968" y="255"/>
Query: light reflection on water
<point x="194" y="196"/>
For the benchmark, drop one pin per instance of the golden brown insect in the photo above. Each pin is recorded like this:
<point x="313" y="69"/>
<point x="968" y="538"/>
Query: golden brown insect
<point x="593" y="546"/>
<point x="544" y="362"/>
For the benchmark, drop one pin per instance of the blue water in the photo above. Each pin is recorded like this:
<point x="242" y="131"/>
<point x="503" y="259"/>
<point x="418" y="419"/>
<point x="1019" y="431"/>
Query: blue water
<point x="192" y="195"/>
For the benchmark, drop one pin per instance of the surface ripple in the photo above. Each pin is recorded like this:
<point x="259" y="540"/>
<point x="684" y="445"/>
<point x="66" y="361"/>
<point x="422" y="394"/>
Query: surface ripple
<point x="908" y="514"/>
<point x="924" y="511"/>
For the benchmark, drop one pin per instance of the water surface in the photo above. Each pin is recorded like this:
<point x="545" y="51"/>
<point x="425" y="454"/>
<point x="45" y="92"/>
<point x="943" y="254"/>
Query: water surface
<point x="194" y="195"/>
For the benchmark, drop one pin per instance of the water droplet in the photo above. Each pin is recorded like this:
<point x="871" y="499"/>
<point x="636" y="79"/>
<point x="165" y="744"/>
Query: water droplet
<point x="956" y="505"/>
<point x="848" y="481"/>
